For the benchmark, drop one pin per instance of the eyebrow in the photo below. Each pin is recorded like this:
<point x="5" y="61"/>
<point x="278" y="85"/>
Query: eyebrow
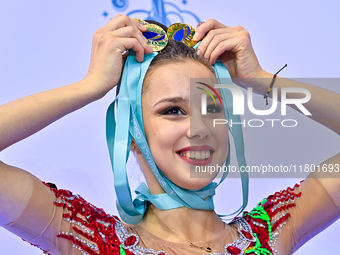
<point x="172" y="100"/>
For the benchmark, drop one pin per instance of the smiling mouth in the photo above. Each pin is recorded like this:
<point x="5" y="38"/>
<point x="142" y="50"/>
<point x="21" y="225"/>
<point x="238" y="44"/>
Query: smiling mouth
<point x="196" y="155"/>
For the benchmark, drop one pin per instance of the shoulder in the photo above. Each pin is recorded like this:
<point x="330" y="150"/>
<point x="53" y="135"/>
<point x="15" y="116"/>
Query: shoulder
<point x="91" y="229"/>
<point x="259" y="228"/>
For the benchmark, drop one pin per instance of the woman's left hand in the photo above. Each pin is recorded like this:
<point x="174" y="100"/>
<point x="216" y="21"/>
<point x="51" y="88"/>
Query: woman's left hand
<point x="233" y="46"/>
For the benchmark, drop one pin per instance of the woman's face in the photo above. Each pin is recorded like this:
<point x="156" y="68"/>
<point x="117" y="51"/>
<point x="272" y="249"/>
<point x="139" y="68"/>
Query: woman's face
<point x="179" y="136"/>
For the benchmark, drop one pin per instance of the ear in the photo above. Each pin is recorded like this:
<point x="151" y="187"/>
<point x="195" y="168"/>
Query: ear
<point x="134" y="146"/>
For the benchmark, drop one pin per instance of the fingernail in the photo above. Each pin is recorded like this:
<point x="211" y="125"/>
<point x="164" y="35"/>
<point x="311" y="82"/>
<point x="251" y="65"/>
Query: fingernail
<point x="146" y="40"/>
<point x="142" y="26"/>
<point x="196" y="36"/>
<point x="199" y="52"/>
<point x="150" y="48"/>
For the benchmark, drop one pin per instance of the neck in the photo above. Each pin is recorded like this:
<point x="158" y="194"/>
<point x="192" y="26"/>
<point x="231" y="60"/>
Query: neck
<point x="189" y="224"/>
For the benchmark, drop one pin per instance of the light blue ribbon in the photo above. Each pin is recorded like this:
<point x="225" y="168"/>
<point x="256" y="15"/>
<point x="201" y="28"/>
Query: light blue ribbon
<point x="130" y="124"/>
<point x="236" y="131"/>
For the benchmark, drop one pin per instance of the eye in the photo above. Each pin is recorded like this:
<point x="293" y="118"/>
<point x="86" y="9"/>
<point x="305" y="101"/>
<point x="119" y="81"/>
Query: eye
<point x="214" y="108"/>
<point x="175" y="110"/>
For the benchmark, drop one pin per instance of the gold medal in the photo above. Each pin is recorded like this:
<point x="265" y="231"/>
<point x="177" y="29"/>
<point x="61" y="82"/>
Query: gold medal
<point x="183" y="33"/>
<point x="157" y="37"/>
<point x="141" y="21"/>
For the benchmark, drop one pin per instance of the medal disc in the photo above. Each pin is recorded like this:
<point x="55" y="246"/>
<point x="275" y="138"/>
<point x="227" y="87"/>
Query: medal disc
<point x="183" y="33"/>
<point x="157" y="38"/>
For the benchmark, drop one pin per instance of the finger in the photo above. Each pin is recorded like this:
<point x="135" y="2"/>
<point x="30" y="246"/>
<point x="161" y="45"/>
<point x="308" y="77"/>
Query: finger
<point x="129" y="32"/>
<point x="232" y="31"/>
<point x="213" y="39"/>
<point x="117" y="22"/>
<point x="124" y="21"/>
<point x="206" y="27"/>
<point x="139" y="25"/>
<point x="133" y="43"/>
<point x="120" y="21"/>
<point x="141" y="28"/>
<point x="227" y="45"/>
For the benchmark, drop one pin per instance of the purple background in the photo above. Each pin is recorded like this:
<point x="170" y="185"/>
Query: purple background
<point x="47" y="44"/>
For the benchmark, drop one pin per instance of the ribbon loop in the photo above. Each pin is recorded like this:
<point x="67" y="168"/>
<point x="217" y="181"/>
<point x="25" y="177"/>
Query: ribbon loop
<point x="130" y="125"/>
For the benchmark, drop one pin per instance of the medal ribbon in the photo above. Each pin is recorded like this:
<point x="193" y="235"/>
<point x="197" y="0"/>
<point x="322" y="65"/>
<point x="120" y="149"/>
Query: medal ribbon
<point x="130" y="124"/>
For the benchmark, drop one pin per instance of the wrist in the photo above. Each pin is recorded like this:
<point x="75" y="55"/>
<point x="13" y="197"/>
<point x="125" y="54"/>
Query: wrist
<point x="260" y="83"/>
<point x="94" y="86"/>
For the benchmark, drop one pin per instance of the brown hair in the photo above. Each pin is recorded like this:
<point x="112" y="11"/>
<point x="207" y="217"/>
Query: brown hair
<point x="174" y="52"/>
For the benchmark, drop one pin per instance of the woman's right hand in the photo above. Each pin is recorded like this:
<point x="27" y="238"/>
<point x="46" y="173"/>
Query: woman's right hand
<point x="26" y="116"/>
<point x="118" y="35"/>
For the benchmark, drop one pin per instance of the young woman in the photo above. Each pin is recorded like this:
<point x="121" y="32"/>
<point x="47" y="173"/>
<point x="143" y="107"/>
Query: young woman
<point x="178" y="136"/>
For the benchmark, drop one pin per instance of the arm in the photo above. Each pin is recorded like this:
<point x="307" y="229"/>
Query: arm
<point x="24" y="117"/>
<point x="233" y="47"/>
<point x="319" y="205"/>
<point x="324" y="104"/>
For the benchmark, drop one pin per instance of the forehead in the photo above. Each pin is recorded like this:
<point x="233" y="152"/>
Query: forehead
<point x="174" y="79"/>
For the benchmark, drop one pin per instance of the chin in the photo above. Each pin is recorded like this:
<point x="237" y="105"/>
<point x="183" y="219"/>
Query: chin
<point x="191" y="181"/>
<point x="194" y="183"/>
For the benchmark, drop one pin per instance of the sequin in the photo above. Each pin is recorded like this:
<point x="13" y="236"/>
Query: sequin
<point x="96" y="233"/>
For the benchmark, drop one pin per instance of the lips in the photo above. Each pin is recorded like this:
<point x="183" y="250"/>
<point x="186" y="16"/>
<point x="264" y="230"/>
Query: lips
<point x="196" y="155"/>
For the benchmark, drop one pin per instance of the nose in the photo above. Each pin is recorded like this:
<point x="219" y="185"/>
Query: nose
<point x="198" y="128"/>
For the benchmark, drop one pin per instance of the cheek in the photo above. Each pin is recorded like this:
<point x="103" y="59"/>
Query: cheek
<point x="222" y="138"/>
<point x="164" y="136"/>
<point x="220" y="132"/>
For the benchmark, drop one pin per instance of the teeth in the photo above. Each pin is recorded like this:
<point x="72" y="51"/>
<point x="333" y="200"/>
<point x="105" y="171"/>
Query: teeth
<point x="203" y="155"/>
<point x="197" y="155"/>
